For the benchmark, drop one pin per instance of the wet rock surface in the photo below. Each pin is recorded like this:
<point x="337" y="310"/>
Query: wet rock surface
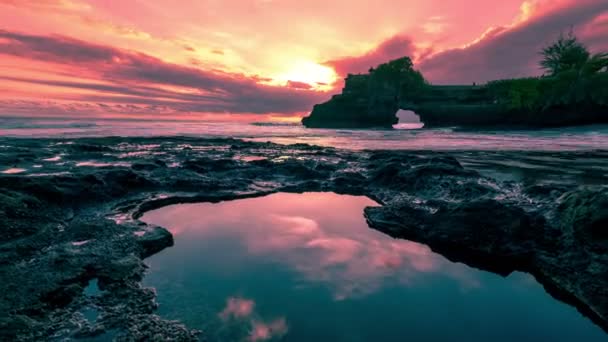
<point x="72" y="243"/>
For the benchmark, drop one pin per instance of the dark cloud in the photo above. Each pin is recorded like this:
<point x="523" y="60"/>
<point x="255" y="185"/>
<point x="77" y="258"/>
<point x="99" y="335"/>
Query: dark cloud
<point x="298" y="85"/>
<point x="128" y="77"/>
<point x="54" y="108"/>
<point x="54" y="48"/>
<point x="513" y="52"/>
<point x="395" y="47"/>
<point x="133" y="90"/>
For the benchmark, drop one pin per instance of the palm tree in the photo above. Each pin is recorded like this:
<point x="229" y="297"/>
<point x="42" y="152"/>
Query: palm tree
<point x="572" y="69"/>
<point x="566" y="53"/>
<point x="569" y="54"/>
<point x="595" y="64"/>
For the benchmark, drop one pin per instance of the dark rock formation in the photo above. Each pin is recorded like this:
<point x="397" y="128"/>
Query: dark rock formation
<point x="372" y="100"/>
<point x="566" y="256"/>
<point x="586" y="213"/>
<point x="487" y="106"/>
<point x="368" y="100"/>
<point x="480" y="233"/>
<point x="68" y="227"/>
<point x="155" y="241"/>
<point x="354" y="108"/>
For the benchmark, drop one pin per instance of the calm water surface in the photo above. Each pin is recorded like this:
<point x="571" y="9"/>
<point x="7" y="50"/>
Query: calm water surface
<point x="405" y="136"/>
<point x="306" y="267"/>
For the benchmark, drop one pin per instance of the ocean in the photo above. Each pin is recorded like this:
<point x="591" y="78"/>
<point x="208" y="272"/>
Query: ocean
<point x="406" y="136"/>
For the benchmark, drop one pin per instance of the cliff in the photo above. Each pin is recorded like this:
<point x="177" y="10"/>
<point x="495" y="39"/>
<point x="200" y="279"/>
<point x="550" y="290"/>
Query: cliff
<point x="525" y="103"/>
<point x="368" y="100"/>
<point x="372" y="100"/>
<point x="358" y="106"/>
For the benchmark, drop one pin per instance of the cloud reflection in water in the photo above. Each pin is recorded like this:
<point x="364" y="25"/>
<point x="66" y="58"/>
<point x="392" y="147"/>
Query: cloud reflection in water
<point x="238" y="308"/>
<point x="322" y="236"/>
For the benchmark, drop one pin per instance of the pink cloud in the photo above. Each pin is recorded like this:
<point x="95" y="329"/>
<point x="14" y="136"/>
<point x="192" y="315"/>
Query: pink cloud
<point x="508" y="52"/>
<point x="499" y="52"/>
<point x="321" y="245"/>
<point x="95" y="38"/>
<point x="261" y="331"/>
<point x="392" y="48"/>
<point x="596" y="32"/>
<point x="237" y="307"/>
<point x="125" y="77"/>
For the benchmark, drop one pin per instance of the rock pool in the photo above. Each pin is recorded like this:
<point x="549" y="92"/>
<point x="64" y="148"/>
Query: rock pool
<point x="306" y="267"/>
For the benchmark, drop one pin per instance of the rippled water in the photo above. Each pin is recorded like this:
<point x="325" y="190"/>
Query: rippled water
<point x="306" y="267"/>
<point x="404" y="137"/>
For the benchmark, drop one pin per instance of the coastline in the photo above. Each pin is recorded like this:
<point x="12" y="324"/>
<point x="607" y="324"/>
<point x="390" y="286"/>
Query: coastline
<point x="81" y="226"/>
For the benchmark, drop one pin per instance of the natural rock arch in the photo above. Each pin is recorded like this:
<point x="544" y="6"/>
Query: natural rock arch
<point x="372" y="101"/>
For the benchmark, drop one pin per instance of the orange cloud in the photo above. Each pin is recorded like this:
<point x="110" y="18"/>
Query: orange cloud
<point x="125" y="77"/>
<point x="260" y="56"/>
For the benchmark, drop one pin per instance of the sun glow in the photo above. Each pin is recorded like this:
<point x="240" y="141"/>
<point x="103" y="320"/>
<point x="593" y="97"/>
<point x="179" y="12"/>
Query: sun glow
<point x="306" y="73"/>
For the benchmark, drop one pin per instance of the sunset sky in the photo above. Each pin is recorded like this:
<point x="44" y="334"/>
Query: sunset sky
<point x="260" y="58"/>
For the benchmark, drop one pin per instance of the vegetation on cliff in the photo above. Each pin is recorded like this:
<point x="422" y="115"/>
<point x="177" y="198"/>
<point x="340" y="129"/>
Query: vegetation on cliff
<point x="573" y="91"/>
<point x="575" y="78"/>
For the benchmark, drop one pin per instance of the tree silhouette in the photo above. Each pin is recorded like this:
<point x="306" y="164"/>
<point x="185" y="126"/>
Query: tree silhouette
<point x="567" y="53"/>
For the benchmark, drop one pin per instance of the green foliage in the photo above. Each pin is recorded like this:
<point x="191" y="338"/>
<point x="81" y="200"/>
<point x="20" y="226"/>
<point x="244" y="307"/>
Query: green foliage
<point x="369" y="100"/>
<point x="524" y="93"/>
<point x="584" y="85"/>
<point x="577" y="82"/>
<point x="597" y="87"/>
<point x="577" y="78"/>
<point x="394" y="68"/>
<point x="517" y="94"/>
<point x="565" y="54"/>
<point x="562" y="89"/>
<point x="566" y="89"/>
<point x="596" y="64"/>
<point x="356" y="83"/>
<point x="398" y="74"/>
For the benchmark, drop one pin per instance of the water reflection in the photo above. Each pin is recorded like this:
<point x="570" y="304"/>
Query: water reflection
<point x="321" y="236"/>
<point x="14" y="170"/>
<point x="307" y="267"/>
<point x="92" y="163"/>
<point x="237" y="308"/>
<point x="242" y="309"/>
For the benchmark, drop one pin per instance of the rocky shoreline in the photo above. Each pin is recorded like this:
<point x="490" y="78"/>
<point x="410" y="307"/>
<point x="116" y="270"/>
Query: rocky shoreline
<point x="72" y="250"/>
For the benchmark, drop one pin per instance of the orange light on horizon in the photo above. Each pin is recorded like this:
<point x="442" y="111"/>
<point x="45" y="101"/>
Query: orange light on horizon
<point x="319" y="77"/>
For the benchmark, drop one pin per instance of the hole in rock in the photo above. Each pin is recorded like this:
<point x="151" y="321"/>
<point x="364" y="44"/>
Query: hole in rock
<point x="92" y="289"/>
<point x="306" y="267"/>
<point x="408" y="120"/>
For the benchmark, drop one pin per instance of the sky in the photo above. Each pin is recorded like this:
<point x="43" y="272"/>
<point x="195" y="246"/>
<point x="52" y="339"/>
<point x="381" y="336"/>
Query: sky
<point x="252" y="59"/>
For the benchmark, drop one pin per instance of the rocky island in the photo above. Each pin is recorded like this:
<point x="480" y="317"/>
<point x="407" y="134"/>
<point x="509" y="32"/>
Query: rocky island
<point x="77" y="223"/>
<point x="575" y="92"/>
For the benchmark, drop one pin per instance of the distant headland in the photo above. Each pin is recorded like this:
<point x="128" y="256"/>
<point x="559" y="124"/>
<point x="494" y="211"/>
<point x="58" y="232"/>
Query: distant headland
<point x="574" y="91"/>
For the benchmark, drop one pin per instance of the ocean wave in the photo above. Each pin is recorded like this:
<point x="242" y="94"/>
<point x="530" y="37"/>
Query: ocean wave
<point x="26" y="124"/>
<point x="277" y="124"/>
